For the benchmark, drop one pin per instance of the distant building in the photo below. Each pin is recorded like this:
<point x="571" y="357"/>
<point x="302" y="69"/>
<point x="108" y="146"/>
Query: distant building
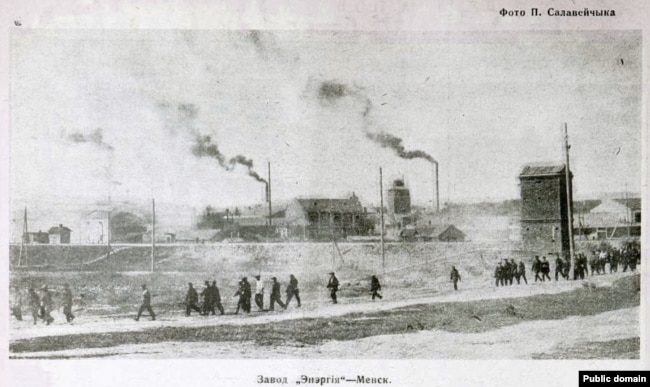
<point x="399" y="199"/>
<point x="59" y="235"/>
<point x="544" y="208"/>
<point x="198" y="236"/>
<point x="451" y="234"/>
<point x="327" y="218"/>
<point x="611" y="218"/>
<point x="37" y="237"/>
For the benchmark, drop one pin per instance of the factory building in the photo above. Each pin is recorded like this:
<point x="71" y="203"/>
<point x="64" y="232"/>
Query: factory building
<point x="544" y="209"/>
<point x="327" y="218"/>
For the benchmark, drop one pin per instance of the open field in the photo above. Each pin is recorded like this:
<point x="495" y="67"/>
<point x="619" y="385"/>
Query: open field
<point x="419" y="306"/>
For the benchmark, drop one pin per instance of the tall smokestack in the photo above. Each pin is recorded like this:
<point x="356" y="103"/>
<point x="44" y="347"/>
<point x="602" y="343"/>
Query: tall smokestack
<point x="437" y="187"/>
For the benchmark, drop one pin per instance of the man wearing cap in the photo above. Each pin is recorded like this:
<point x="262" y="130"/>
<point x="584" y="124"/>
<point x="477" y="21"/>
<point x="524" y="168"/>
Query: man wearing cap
<point x="208" y="304"/>
<point x="146" y="304"/>
<point x="276" y="295"/>
<point x="34" y="303"/>
<point x="455" y="277"/>
<point x="292" y="290"/>
<point x="46" y="305"/>
<point x="259" y="292"/>
<point x="67" y="303"/>
<point x="191" y="298"/>
<point x="333" y="286"/>
<point x="216" y="298"/>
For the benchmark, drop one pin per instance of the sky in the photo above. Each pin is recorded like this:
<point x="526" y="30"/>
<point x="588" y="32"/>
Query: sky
<point x="193" y="117"/>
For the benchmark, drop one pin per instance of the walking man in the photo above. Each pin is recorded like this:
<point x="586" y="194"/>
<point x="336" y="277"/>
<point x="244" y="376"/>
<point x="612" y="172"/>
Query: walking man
<point x="34" y="303"/>
<point x="216" y="298"/>
<point x="521" y="269"/>
<point x="146" y="304"/>
<point x="67" y="303"/>
<point x="537" y="268"/>
<point x="191" y="299"/>
<point x="455" y="277"/>
<point x="498" y="273"/>
<point x="559" y="265"/>
<point x="333" y="286"/>
<point x="292" y="290"/>
<point x="208" y="305"/>
<point x="545" y="269"/>
<point x="46" y="305"/>
<point x="276" y="295"/>
<point x="375" y="287"/>
<point x="259" y="292"/>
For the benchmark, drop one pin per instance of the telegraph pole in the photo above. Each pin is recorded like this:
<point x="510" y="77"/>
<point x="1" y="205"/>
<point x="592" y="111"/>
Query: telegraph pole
<point x="108" y="235"/>
<point x="24" y="240"/>
<point x="268" y="189"/>
<point x="381" y="211"/>
<point x="153" y="231"/>
<point x="569" y="198"/>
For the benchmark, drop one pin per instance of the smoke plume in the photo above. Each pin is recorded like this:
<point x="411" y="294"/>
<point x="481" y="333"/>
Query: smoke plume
<point x="204" y="147"/>
<point x="386" y="140"/>
<point x="95" y="138"/>
<point x="332" y="91"/>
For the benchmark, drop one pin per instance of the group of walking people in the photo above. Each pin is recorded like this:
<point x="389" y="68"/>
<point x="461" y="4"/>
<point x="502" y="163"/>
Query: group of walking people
<point x="507" y="270"/>
<point x="41" y="305"/>
<point x="600" y="262"/>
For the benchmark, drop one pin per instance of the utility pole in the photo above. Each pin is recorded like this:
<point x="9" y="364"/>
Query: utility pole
<point x="569" y="198"/>
<point x="153" y="231"/>
<point x="108" y="235"/>
<point x="628" y="212"/>
<point x="268" y="193"/>
<point x="24" y="240"/>
<point x="381" y="211"/>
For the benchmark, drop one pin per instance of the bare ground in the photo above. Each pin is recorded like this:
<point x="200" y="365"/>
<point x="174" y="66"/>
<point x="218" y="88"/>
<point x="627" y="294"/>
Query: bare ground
<point x="552" y="320"/>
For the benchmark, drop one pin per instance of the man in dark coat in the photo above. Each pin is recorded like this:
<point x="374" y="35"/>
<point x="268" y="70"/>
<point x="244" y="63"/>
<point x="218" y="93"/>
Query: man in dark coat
<point x="146" y="304"/>
<point x="333" y="286"/>
<point x="559" y="267"/>
<point x="545" y="269"/>
<point x="498" y="274"/>
<point x="521" y="269"/>
<point x="375" y="287"/>
<point x="67" y="303"/>
<point x="247" y="295"/>
<point x="276" y="295"/>
<point x="46" y="305"/>
<point x="292" y="290"/>
<point x="34" y="304"/>
<point x="191" y="299"/>
<point x="455" y="277"/>
<point x="244" y="293"/>
<point x="216" y="298"/>
<point x="537" y="268"/>
<point x="208" y="303"/>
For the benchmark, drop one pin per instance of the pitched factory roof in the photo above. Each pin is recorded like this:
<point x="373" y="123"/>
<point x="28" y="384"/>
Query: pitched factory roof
<point x="542" y="170"/>
<point x="58" y="230"/>
<point x="331" y="205"/>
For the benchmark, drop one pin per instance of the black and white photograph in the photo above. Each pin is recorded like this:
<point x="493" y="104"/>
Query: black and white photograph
<point x="321" y="193"/>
